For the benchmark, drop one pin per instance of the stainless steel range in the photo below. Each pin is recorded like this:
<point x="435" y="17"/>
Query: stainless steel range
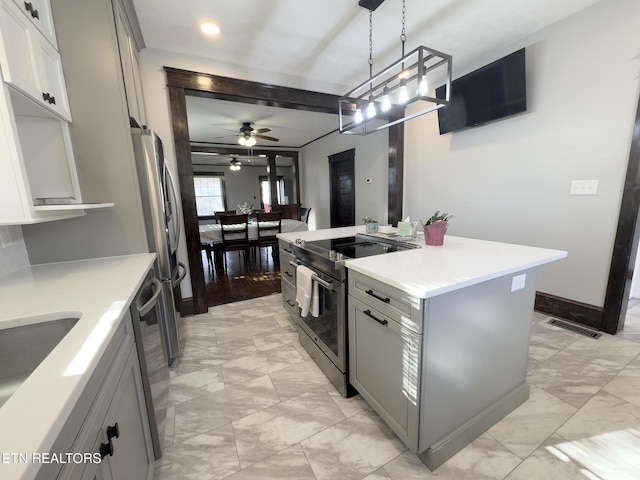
<point x="325" y="336"/>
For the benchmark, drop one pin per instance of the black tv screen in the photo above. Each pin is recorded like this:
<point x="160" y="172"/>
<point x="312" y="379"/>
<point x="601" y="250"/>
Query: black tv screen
<point x="494" y="91"/>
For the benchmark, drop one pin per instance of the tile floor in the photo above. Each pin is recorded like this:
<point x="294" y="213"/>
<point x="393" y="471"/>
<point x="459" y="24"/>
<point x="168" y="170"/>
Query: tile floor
<point x="248" y="403"/>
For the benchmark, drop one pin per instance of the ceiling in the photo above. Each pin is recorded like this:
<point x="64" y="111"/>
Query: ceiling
<point x="324" y="46"/>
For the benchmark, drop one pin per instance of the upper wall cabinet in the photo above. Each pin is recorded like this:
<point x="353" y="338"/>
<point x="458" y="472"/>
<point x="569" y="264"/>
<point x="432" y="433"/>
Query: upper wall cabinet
<point x="30" y="62"/>
<point x="39" y="13"/>
<point x="38" y="174"/>
<point x="130" y="62"/>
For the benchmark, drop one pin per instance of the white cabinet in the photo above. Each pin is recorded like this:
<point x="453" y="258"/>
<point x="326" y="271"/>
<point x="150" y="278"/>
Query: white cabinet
<point x="37" y="162"/>
<point x="39" y="13"/>
<point x="130" y="64"/>
<point x="30" y="62"/>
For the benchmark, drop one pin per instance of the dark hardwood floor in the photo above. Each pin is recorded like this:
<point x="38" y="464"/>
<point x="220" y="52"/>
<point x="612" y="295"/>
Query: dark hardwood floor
<point x="240" y="281"/>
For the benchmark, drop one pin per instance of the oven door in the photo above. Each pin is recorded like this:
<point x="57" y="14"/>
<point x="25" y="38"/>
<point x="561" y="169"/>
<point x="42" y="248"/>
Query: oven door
<point x="328" y="329"/>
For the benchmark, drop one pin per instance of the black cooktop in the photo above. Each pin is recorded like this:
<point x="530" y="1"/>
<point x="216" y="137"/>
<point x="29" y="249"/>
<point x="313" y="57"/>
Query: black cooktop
<point x="358" y="247"/>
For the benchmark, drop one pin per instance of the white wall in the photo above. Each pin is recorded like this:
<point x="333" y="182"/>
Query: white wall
<point x="371" y="161"/>
<point x="510" y="180"/>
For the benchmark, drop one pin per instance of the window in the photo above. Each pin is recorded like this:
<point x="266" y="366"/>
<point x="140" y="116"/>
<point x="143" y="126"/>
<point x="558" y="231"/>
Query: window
<point x="265" y="190"/>
<point x="209" y="194"/>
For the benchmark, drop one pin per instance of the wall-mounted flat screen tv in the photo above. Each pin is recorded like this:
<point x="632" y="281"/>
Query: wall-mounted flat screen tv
<point x="490" y="93"/>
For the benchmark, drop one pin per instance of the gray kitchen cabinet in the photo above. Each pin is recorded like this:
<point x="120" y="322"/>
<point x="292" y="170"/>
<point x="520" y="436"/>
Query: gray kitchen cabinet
<point x="441" y="370"/>
<point x="384" y="367"/>
<point x="110" y="421"/>
<point x="288" y="278"/>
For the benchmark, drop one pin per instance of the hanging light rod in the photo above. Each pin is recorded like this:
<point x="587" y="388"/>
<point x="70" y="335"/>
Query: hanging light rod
<point x="386" y="95"/>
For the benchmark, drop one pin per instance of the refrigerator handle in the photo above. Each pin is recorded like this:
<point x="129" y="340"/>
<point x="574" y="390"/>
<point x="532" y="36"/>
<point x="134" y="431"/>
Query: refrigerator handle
<point x="174" y="206"/>
<point x="179" y="276"/>
<point x="151" y="303"/>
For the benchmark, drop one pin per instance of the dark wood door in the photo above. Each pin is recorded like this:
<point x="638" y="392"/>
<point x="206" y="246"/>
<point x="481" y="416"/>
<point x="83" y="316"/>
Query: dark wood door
<point x="343" y="195"/>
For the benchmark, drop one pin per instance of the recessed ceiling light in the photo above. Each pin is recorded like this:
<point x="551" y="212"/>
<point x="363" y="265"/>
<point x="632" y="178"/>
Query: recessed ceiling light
<point x="210" y="28"/>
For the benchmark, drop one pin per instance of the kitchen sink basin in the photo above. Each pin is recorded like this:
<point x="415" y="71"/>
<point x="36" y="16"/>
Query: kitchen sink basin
<point x="24" y="347"/>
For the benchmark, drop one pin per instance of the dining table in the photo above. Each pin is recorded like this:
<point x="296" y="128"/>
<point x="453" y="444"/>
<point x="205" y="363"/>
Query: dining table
<point x="211" y="233"/>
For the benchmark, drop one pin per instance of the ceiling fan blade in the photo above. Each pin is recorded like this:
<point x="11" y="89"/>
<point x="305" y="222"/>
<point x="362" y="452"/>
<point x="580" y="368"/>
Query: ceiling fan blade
<point x="271" y="139"/>
<point x="262" y="130"/>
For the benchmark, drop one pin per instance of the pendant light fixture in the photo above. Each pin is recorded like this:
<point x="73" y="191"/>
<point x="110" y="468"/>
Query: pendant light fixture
<point x="380" y="101"/>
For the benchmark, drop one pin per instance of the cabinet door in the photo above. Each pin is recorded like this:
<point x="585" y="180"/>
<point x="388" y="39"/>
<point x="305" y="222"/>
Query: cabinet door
<point x="18" y="52"/>
<point x="384" y="368"/>
<point x="53" y="85"/>
<point x="39" y="13"/>
<point x="130" y="65"/>
<point x="132" y="449"/>
<point x="30" y="63"/>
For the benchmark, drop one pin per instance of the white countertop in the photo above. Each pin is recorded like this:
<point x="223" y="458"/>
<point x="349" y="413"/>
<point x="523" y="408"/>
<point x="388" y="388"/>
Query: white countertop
<point x="429" y="271"/>
<point x="99" y="292"/>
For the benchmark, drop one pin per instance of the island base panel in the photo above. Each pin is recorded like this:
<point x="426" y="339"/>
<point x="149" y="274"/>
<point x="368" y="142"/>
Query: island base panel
<point x="439" y="453"/>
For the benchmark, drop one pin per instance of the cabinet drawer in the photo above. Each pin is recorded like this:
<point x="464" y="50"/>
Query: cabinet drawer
<point x="289" y="299"/>
<point x="392" y="302"/>
<point x="384" y="366"/>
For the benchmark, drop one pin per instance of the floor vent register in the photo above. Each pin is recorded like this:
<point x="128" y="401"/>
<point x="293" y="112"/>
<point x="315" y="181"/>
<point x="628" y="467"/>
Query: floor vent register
<point x="574" y="328"/>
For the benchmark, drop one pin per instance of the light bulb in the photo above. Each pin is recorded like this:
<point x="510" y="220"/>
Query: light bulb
<point x="423" y="87"/>
<point x="386" y="100"/>
<point x="251" y="141"/>
<point x="358" y="117"/>
<point x="242" y="141"/>
<point x="371" y="108"/>
<point x="403" y="93"/>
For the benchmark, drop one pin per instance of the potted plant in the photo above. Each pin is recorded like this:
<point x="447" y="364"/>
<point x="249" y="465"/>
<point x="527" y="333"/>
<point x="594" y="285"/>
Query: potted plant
<point x="370" y="224"/>
<point x="435" y="227"/>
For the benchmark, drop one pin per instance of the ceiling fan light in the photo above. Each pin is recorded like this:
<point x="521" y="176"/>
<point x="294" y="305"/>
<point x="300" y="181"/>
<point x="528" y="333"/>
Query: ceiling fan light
<point x="242" y="141"/>
<point x="250" y="142"/>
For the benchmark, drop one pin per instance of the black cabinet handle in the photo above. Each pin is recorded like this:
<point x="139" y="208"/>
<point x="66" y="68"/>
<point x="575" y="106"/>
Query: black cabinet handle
<point x="29" y="8"/>
<point x="370" y="315"/>
<point x="106" y="449"/>
<point x="49" y="98"/>
<point x="288" y="274"/>
<point x="385" y="300"/>
<point x="113" y="431"/>
<point x="291" y="304"/>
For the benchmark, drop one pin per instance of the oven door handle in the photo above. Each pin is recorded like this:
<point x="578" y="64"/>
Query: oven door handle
<point x="327" y="285"/>
<point x="314" y="277"/>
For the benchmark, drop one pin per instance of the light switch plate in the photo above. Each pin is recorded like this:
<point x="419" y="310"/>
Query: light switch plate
<point x="518" y="282"/>
<point x="584" y="187"/>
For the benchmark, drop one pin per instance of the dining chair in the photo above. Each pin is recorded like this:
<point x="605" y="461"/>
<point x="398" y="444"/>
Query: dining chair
<point x="207" y="250"/>
<point x="217" y="215"/>
<point x="304" y="214"/>
<point x="235" y="236"/>
<point x="269" y="225"/>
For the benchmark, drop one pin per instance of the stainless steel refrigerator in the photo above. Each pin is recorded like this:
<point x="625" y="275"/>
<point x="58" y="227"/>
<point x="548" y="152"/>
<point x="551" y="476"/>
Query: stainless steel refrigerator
<point x="162" y="224"/>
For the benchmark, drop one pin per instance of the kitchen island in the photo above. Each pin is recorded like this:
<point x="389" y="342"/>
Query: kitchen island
<point x="438" y="337"/>
<point x="47" y="411"/>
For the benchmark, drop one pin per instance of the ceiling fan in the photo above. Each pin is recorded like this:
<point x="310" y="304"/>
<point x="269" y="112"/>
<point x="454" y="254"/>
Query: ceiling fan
<point x="248" y="135"/>
<point x="235" y="164"/>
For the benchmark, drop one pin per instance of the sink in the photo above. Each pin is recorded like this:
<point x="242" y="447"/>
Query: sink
<point x="24" y="347"/>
